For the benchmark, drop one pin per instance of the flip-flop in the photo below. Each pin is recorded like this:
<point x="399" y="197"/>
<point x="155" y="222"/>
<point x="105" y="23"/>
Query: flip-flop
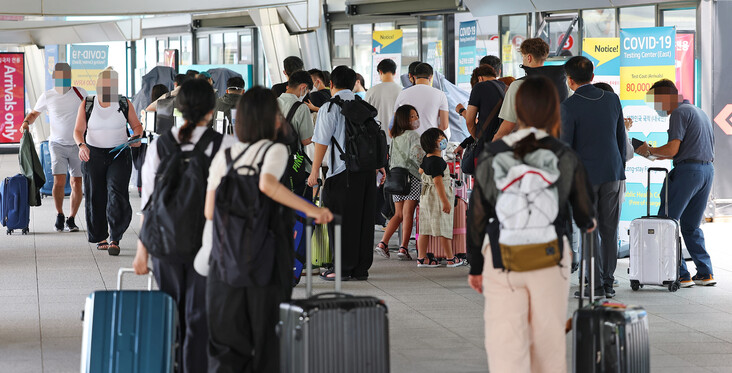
<point x="113" y="248"/>
<point x="104" y="245"/>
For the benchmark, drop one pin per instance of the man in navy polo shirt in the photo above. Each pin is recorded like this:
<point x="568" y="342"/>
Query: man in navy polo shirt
<point x="691" y="146"/>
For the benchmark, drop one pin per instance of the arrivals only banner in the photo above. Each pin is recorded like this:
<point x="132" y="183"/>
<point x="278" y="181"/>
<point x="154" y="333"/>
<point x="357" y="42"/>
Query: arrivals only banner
<point x="386" y="45"/>
<point x="87" y="61"/>
<point x="647" y="55"/>
<point x="467" y="52"/>
<point x="12" y="110"/>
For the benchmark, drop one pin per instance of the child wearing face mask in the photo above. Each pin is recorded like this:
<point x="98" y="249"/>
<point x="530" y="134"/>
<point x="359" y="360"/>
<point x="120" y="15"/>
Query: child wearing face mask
<point x="405" y="152"/>
<point x="436" y="201"/>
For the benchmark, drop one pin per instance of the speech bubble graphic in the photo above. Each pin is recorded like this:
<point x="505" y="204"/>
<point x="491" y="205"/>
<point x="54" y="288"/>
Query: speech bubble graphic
<point x="601" y="49"/>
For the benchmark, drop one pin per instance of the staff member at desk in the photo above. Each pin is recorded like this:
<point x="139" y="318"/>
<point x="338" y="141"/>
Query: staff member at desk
<point x="691" y="146"/>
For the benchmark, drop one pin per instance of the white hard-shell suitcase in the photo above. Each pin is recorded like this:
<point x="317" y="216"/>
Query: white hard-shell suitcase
<point x="655" y="247"/>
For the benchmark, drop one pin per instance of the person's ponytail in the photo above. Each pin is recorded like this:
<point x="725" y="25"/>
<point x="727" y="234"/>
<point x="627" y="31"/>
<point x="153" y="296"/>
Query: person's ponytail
<point x="526" y="145"/>
<point x="195" y="100"/>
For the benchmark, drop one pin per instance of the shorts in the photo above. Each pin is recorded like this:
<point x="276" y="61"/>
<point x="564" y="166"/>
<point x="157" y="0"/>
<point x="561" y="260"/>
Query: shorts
<point x="415" y="189"/>
<point x="64" y="158"/>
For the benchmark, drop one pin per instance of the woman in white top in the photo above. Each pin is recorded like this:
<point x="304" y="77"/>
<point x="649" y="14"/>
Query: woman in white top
<point x="242" y="319"/>
<point x="174" y="270"/>
<point x="106" y="172"/>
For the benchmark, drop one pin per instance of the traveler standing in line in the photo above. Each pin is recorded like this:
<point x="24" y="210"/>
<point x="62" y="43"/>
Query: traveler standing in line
<point x="534" y="53"/>
<point x="359" y="89"/>
<point x="242" y="319"/>
<point x="62" y="103"/>
<point x="493" y="62"/>
<point x="106" y="175"/>
<point x="234" y="90"/>
<point x="177" y="83"/>
<point x="406" y="152"/>
<point x="526" y="312"/>
<point x="383" y="96"/>
<point x="320" y="94"/>
<point x="593" y="126"/>
<point x="485" y="100"/>
<point x="302" y="121"/>
<point x="349" y="194"/>
<point x="174" y="273"/>
<point x="691" y="146"/>
<point x="431" y="103"/>
<point x="437" y="199"/>
<point x="291" y="64"/>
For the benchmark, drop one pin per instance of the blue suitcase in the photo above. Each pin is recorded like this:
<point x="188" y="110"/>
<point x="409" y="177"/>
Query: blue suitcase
<point x="47" y="188"/>
<point x="14" y="203"/>
<point x="129" y="330"/>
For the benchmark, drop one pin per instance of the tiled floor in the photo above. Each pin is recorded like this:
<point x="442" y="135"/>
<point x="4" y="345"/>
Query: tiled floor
<point x="435" y="319"/>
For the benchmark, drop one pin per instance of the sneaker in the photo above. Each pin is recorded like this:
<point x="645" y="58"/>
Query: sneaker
<point x="59" y="226"/>
<point x="704" y="280"/>
<point x="609" y="292"/>
<point x="599" y="293"/>
<point x="686" y="282"/>
<point x="616" y="283"/>
<point x="71" y="225"/>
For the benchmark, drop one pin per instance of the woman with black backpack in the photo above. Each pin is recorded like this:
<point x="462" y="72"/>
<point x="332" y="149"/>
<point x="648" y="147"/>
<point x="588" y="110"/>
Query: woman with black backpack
<point x="523" y="268"/>
<point x="251" y="256"/>
<point x="173" y="195"/>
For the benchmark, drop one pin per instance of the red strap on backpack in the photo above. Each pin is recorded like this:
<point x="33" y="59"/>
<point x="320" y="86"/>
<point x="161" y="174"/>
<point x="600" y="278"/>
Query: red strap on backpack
<point x="78" y="94"/>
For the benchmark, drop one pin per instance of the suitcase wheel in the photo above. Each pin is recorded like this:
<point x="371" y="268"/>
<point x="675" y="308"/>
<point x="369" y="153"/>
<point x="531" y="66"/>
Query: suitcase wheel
<point x="9" y="232"/>
<point x="635" y="285"/>
<point x="672" y="287"/>
<point x="25" y="231"/>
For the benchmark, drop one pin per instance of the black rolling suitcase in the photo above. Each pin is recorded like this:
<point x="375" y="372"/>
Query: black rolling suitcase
<point x="608" y="336"/>
<point x="333" y="332"/>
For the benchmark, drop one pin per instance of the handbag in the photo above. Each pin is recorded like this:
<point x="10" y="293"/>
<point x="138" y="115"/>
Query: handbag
<point x="471" y="153"/>
<point x="397" y="180"/>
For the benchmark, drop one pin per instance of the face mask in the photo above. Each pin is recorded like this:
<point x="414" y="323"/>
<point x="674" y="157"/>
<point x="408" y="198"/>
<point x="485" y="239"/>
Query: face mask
<point x="415" y="124"/>
<point x="662" y="113"/>
<point x="443" y="144"/>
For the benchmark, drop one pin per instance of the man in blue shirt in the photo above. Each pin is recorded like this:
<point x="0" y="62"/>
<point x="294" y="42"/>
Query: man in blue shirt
<point x="592" y="124"/>
<point x="348" y="194"/>
<point x="691" y="146"/>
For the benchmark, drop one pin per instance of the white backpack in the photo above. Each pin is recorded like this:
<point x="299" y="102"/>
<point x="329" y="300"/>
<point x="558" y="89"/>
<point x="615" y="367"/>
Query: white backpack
<point x="527" y="207"/>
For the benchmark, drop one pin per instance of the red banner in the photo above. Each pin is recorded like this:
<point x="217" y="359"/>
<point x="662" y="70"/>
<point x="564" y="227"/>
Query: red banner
<point x="685" y="65"/>
<point x="12" y="108"/>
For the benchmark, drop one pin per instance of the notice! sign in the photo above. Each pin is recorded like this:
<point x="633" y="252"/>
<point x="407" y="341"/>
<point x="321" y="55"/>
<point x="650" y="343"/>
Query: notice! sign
<point x="12" y="109"/>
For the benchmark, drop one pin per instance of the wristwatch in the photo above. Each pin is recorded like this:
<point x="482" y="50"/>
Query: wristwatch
<point x="81" y="143"/>
<point x="461" y="111"/>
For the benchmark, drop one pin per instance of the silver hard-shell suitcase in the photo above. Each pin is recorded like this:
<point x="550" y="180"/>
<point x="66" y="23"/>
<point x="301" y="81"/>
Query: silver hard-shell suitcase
<point x="655" y="247"/>
<point x="333" y="332"/>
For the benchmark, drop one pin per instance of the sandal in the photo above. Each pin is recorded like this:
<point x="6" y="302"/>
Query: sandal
<point x="113" y="248"/>
<point x="404" y="254"/>
<point x="431" y="262"/>
<point x="102" y="245"/>
<point x="456" y="262"/>
<point x="330" y="275"/>
<point x="382" y="250"/>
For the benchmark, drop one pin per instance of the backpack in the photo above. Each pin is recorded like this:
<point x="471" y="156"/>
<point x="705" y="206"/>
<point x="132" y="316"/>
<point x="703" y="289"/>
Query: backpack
<point x="296" y="172"/>
<point x="164" y="119"/>
<point x="555" y="73"/>
<point x="124" y="108"/>
<point x="174" y="219"/>
<point x="527" y="208"/>
<point x="244" y="240"/>
<point x="365" y="147"/>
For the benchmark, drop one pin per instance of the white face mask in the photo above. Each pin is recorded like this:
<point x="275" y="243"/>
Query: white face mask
<point x="302" y="95"/>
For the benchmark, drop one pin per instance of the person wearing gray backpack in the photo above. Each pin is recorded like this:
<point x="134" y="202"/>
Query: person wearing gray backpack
<point x="528" y="186"/>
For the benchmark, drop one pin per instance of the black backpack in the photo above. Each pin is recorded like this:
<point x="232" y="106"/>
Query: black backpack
<point x="124" y="107"/>
<point x="244" y="244"/>
<point x="365" y="148"/>
<point x="555" y="73"/>
<point x="164" y="119"/>
<point x="295" y="173"/>
<point x="174" y="219"/>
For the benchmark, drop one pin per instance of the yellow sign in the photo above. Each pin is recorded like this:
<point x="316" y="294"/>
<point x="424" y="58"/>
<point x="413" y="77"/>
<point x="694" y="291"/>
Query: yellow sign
<point x="601" y="49"/>
<point x="385" y="38"/>
<point x="637" y="80"/>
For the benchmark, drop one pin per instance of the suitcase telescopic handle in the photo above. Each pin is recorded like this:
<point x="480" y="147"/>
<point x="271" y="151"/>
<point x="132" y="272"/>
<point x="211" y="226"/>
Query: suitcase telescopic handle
<point x="648" y="190"/>
<point x="588" y="259"/>
<point x="309" y="222"/>
<point x="122" y="271"/>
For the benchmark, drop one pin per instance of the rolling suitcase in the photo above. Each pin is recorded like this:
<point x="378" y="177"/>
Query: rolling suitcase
<point x="321" y="254"/>
<point x="47" y="188"/>
<point x="129" y="330"/>
<point x="655" y="247"/>
<point x="333" y="332"/>
<point x="14" y="203"/>
<point x="608" y="336"/>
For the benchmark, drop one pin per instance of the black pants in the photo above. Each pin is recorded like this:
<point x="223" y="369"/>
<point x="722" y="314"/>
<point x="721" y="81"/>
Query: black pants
<point x="607" y="204"/>
<point x="241" y="324"/>
<point x="188" y="289"/>
<point x="353" y="197"/>
<point x="106" y="179"/>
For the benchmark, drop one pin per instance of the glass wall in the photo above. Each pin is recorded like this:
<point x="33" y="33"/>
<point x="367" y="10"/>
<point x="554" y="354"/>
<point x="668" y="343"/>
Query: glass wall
<point x="217" y="49"/>
<point x="231" y="48"/>
<point x="362" y="41"/>
<point x="513" y="31"/>
<point x="639" y="16"/>
<point x="186" y="51"/>
<point x="410" y="46"/>
<point x="599" y="23"/>
<point x="682" y="19"/>
<point x="433" y="33"/>
<point x="203" y="49"/>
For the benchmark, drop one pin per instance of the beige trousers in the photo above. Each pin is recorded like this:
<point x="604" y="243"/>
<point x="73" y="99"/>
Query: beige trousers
<point x="525" y="316"/>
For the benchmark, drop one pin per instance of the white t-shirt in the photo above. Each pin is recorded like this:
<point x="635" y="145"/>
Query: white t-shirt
<point x="152" y="160"/>
<point x="107" y="126"/>
<point x="383" y="96"/>
<point x="62" y="112"/>
<point x="275" y="161"/>
<point x="428" y="101"/>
